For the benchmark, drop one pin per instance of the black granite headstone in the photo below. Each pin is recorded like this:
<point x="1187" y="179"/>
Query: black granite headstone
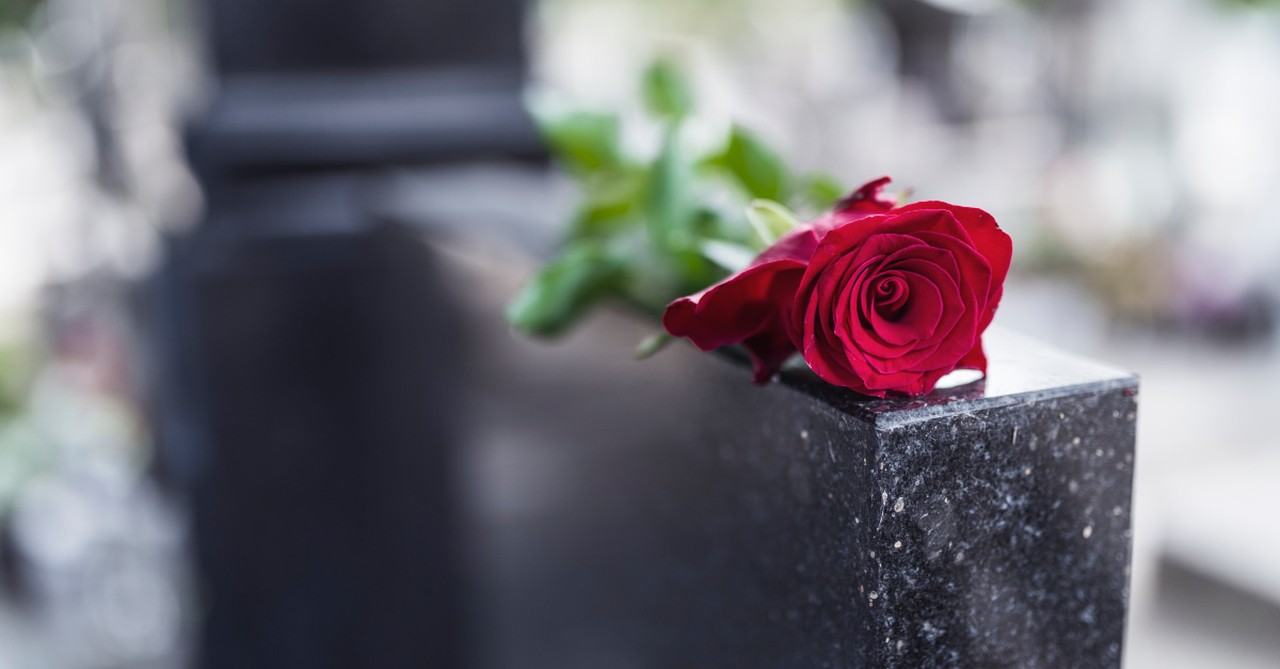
<point x="670" y="514"/>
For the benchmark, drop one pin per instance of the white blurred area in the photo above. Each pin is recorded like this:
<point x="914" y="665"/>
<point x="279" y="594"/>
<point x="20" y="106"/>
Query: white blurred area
<point x="88" y="170"/>
<point x="1131" y="147"/>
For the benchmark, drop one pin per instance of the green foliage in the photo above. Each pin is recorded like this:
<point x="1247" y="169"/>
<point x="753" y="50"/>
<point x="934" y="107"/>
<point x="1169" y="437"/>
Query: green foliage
<point x="16" y="372"/>
<point x="669" y="207"/>
<point x="650" y="228"/>
<point x="755" y="166"/>
<point x="652" y="344"/>
<point x="1250" y="3"/>
<point x="609" y="206"/>
<point x="565" y="288"/>
<point x="727" y="255"/>
<point x="584" y="142"/>
<point x="665" y="91"/>
<point x="821" y="191"/>
<point x="770" y="220"/>
<point x="24" y="451"/>
<point x="16" y="13"/>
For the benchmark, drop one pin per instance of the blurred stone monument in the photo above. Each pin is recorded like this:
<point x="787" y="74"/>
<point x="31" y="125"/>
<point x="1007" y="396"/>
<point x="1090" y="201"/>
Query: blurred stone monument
<point x="310" y="396"/>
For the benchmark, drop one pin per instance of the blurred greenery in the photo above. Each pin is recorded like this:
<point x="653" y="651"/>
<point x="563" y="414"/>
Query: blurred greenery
<point x="584" y="142"/>
<point x="15" y="377"/>
<point x="666" y="93"/>
<point x="16" y="13"/>
<point x="755" y="166"/>
<point x="582" y="274"/>
<point x="651" y="228"/>
<point x="23" y="450"/>
<point x="652" y="344"/>
<point x="1250" y="3"/>
<point x="770" y="220"/>
<point x="821" y="191"/>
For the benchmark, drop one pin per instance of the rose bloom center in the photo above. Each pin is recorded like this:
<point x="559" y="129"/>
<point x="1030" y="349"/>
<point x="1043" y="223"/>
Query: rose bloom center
<point x="891" y="297"/>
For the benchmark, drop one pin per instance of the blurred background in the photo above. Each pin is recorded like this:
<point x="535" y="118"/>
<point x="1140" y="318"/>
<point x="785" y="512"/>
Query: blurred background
<point x="168" y="166"/>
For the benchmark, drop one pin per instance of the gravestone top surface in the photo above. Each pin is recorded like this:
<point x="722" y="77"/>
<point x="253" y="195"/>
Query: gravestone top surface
<point x="1020" y="369"/>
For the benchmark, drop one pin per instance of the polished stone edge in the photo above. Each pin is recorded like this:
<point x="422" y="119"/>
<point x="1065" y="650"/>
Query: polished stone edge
<point x="965" y="406"/>
<point x="940" y="403"/>
<point x="987" y="393"/>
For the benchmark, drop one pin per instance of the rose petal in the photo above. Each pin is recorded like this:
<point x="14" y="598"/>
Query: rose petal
<point x="953" y="308"/>
<point x="890" y="296"/>
<point x="849" y="321"/>
<point x="751" y="307"/>
<point x="919" y="320"/>
<point x="768" y="351"/>
<point x="797" y="244"/>
<point x="823" y="360"/>
<point x="934" y="271"/>
<point x="992" y="243"/>
<point x="867" y="200"/>
<point x="976" y="358"/>
<point x="974" y="276"/>
<point x="857" y="339"/>
<point x="869" y="197"/>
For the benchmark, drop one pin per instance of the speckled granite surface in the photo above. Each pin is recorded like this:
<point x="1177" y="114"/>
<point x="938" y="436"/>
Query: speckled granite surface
<point x="670" y="514"/>
<point x="993" y="520"/>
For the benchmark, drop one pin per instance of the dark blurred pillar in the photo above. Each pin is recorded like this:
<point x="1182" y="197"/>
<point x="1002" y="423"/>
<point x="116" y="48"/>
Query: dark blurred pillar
<point x="311" y="379"/>
<point x="926" y="36"/>
<point x="322" y="501"/>
<point x="325" y="36"/>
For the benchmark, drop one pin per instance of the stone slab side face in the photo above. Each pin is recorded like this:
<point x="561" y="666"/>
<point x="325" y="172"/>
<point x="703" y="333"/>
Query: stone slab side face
<point x="1002" y="535"/>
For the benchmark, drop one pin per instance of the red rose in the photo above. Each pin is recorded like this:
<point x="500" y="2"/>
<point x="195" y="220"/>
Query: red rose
<point x="892" y="303"/>
<point x="753" y="307"/>
<point x="879" y="300"/>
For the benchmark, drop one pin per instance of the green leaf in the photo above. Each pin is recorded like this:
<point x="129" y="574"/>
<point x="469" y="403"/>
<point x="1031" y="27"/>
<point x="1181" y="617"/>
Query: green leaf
<point x="728" y="255"/>
<point x="675" y="217"/>
<point x="669" y="204"/>
<point x="608" y="206"/>
<point x="564" y="289"/>
<point x="665" y="92"/>
<point x="652" y="344"/>
<point x="821" y="191"/>
<point x="583" y="141"/>
<point x="770" y="220"/>
<point x="756" y="167"/>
